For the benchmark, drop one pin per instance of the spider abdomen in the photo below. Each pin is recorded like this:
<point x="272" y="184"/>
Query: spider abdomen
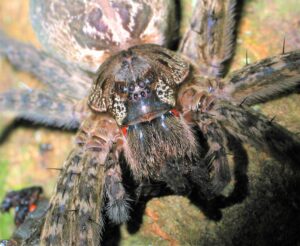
<point x="87" y="32"/>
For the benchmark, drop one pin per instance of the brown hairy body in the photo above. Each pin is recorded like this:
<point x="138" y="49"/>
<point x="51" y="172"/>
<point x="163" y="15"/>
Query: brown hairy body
<point x="148" y="114"/>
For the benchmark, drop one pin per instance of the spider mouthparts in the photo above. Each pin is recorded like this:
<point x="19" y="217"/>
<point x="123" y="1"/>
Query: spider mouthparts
<point x="150" y="116"/>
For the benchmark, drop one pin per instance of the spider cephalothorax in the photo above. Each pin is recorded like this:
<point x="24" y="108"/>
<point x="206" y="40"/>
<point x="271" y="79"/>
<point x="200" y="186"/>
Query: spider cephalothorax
<point x="138" y="84"/>
<point x="139" y="87"/>
<point x="168" y="118"/>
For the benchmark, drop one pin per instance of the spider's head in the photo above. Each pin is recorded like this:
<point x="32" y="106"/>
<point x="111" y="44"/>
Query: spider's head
<point x="138" y="84"/>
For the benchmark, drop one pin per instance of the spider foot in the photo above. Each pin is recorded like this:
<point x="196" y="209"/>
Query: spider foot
<point x="117" y="208"/>
<point x="24" y="201"/>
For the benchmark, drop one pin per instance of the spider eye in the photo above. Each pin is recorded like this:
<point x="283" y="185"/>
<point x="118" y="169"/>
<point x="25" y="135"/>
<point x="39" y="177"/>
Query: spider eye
<point x="131" y="87"/>
<point x="120" y="87"/>
<point x="141" y="84"/>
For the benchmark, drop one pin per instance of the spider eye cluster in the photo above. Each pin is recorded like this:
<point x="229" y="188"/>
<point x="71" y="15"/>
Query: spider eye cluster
<point x="139" y="90"/>
<point x="135" y="90"/>
<point x="136" y="86"/>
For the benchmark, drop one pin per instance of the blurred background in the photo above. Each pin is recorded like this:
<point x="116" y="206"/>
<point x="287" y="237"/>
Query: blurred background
<point x="26" y="151"/>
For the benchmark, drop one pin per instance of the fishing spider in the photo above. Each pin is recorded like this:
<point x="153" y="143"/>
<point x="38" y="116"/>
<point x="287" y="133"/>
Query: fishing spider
<point x="148" y="114"/>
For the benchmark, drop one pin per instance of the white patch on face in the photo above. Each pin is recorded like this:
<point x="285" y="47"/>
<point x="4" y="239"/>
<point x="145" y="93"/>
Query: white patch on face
<point x="165" y="93"/>
<point x="119" y="109"/>
<point x="103" y="103"/>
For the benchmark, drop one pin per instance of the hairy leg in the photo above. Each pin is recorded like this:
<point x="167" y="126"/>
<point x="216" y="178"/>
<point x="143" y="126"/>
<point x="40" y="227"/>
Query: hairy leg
<point x="210" y="39"/>
<point x="240" y="159"/>
<point x="173" y="173"/>
<point x="264" y="134"/>
<point x="63" y="78"/>
<point x="240" y="190"/>
<point x="216" y="156"/>
<point x="265" y="80"/>
<point x="41" y="107"/>
<point x="75" y="213"/>
<point x="117" y="208"/>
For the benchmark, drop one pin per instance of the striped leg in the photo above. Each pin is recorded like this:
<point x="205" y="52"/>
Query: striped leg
<point x="41" y="107"/>
<point x="117" y="208"/>
<point x="210" y="39"/>
<point x="216" y="156"/>
<point x="264" y="134"/>
<point x="75" y="214"/>
<point x="63" y="78"/>
<point x="265" y="80"/>
<point x="240" y="159"/>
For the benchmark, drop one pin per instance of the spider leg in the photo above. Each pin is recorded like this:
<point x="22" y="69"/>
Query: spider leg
<point x="41" y="107"/>
<point x="75" y="212"/>
<point x="240" y="159"/>
<point x="252" y="127"/>
<point x="61" y="77"/>
<point x="117" y="208"/>
<point x="265" y="80"/>
<point x="216" y="156"/>
<point x="240" y="190"/>
<point x="210" y="39"/>
<point x="75" y="209"/>
<point x="211" y="207"/>
<point x="173" y="174"/>
<point x="28" y="232"/>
